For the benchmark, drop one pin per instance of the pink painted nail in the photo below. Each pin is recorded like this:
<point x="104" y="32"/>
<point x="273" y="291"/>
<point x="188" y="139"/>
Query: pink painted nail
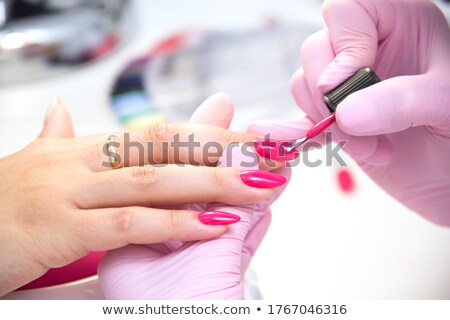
<point x="262" y="179"/>
<point x="271" y="149"/>
<point x="218" y="218"/>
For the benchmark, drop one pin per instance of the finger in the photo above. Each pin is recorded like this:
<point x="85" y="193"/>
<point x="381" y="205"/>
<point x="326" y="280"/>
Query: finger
<point x="393" y="105"/>
<point x="172" y="185"/>
<point x="217" y="110"/>
<point x="58" y="123"/>
<point x="105" y="229"/>
<point x="354" y="37"/>
<point x="175" y="143"/>
<point x="198" y="144"/>
<point x="303" y="97"/>
<point x="316" y="54"/>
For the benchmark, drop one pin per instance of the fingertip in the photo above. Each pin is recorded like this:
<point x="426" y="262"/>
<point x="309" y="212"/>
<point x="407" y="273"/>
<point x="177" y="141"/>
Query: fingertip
<point x="222" y="99"/>
<point x="218" y="109"/>
<point x="58" y="123"/>
<point x="327" y="79"/>
<point x="296" y="80"/>
<point x="326" y="83"/>
<point x="330" y="6"/>
<point x="340" y="69"/>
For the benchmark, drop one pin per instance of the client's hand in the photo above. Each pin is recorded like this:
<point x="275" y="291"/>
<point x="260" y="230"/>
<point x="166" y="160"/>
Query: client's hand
<point x="60" y="197"/>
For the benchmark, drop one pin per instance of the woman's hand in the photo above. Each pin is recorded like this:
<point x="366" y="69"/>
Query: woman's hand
<point x="60" y="198"/>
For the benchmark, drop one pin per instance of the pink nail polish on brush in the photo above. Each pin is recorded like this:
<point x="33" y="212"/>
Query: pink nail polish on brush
<point x="262" y="179"/>
<point x="218" y="218"/>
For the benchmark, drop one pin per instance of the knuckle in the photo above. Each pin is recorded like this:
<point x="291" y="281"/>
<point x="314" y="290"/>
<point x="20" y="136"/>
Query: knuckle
<point x="174" y="221"/>
<point x="160" y="131"/>
<point x="40" y="147"/>
<point x="219" y="176"/>
<point x="230" y="137"/>
<point x="123" y="219"/>
<point x="145" y="176"/>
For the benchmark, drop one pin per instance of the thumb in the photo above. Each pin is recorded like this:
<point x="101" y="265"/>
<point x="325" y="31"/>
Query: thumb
<point x="58" y="123"/>
<point x="392" y="105"/>
<point x="354" y="38"/>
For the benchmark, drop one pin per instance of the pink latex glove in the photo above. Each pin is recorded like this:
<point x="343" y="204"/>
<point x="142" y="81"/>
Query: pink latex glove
<point x="194" y="270"/>
<point x="397" y="130"/>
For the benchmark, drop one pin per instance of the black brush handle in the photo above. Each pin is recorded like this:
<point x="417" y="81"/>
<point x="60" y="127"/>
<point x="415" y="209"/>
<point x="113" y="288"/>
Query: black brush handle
<point x="363" y="78"/>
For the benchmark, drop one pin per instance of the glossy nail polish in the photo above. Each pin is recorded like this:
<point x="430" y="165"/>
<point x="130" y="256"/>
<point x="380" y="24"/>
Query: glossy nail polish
<point x="218" y="218"/>
<point x="262" y="179"/>
<point x="271" y="149"/>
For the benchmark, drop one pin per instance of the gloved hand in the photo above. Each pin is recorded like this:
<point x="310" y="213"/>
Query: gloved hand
<point x="194" y="270"/>
<point x="397" y="130"/>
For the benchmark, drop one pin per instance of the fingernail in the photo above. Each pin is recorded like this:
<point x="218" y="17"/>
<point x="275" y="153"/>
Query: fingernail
<point x="56" y="102"/>
<point x="271" y="149"/>
<point x="262" y="179"/>
<point x="218" y="218"/>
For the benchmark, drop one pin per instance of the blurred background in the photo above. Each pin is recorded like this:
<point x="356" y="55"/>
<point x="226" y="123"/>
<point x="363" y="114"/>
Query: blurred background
<point x="124" y="64"/>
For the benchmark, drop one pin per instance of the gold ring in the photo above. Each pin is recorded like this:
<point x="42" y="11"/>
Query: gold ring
<point x="111" y="147"/>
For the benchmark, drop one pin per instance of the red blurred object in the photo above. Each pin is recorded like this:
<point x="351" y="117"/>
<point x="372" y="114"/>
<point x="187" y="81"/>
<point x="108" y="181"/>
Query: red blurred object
<point x="171" y="43"/>
<point x="345" y="180"/>
<point x="104" y="47"/>
<point x="80" y="269"/>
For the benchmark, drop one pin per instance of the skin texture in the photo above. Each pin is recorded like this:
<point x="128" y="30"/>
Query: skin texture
<point x="399" y="129"/>
<point x="58" y="203"/>
<point x="212" y="269"/>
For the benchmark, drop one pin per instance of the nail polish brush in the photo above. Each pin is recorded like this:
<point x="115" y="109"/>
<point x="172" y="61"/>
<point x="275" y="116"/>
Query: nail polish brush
<point x="363" y="78"/>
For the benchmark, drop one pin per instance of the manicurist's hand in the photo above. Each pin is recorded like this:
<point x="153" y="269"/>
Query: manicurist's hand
<point x="398" y="130"/>
<point x="62" y="197"/>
